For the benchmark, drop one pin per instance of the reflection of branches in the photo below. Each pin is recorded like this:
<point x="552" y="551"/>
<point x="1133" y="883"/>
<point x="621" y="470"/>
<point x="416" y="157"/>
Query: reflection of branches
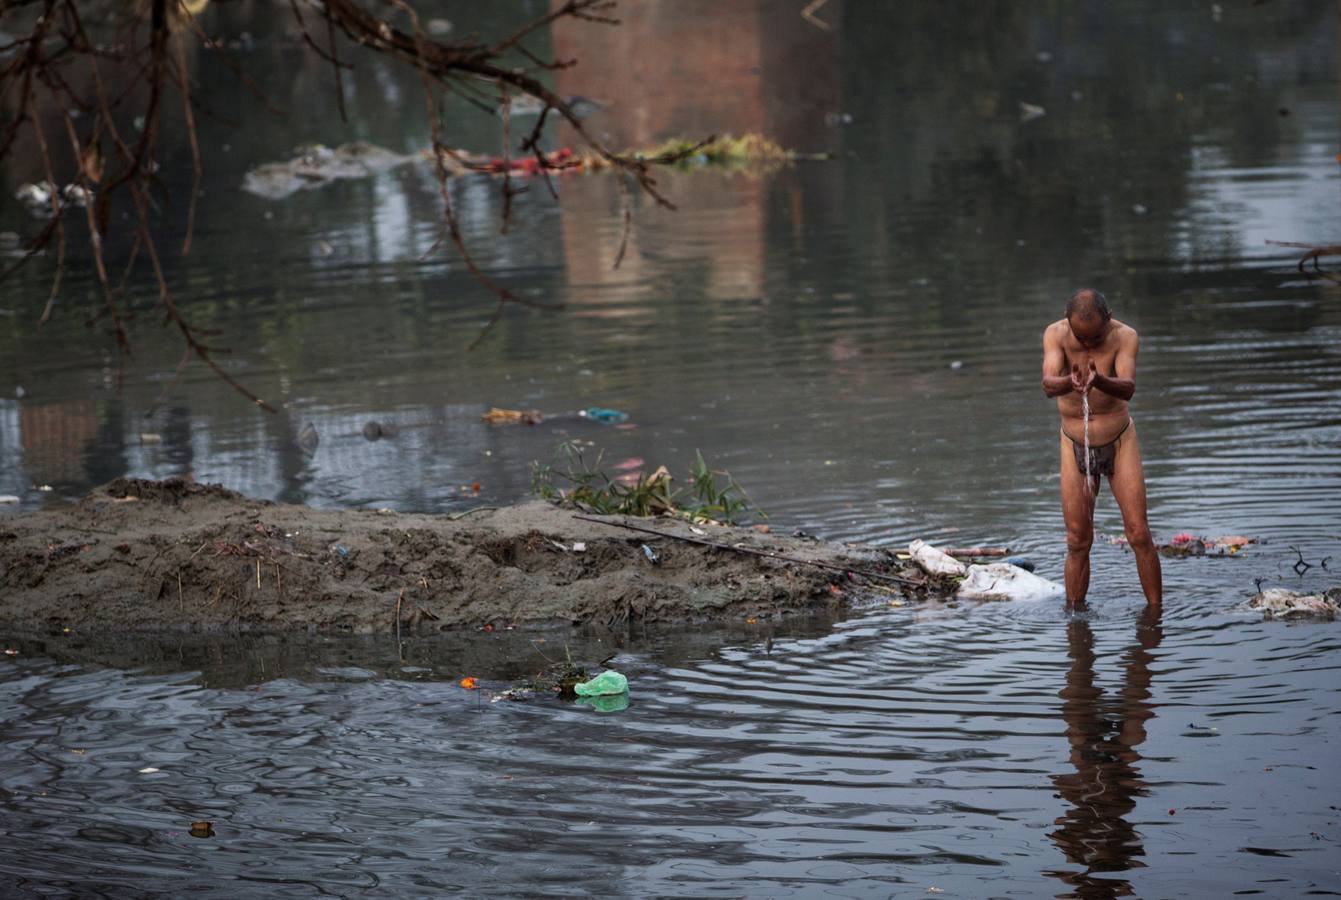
<point x="1314" y="253"/>
<point x="151" y="47"/>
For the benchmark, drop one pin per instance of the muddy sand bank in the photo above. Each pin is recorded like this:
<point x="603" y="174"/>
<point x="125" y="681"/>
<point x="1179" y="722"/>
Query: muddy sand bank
<point x="140" y="555"/>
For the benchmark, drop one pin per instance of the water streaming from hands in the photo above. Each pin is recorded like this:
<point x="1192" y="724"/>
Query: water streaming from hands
<point x="1085" y="408"/>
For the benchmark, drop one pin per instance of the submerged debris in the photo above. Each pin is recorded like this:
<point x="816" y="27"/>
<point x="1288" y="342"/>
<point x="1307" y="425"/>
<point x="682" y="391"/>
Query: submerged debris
<point x="1185" y="543"/>
<point x="497" y="416"/>
<point x="991" y="581"/>
<point x="1279" y="603"/>
<point x="604" y="415"/>
<point x="934" y="562"/>
<point x="317" y="165"/>
<point x="1003" y="581"/>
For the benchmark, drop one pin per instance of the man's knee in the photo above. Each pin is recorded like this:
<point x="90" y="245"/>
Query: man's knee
<point x="1138" y="536"/>
<point x="1079" y="540"/>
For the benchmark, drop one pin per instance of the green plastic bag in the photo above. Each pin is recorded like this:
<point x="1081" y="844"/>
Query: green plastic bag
<point x="604" y="684"/>
<point x="607" y="704"/>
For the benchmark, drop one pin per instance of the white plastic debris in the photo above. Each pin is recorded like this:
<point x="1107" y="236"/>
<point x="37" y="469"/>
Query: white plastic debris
<point x="1002" y="581"/>
<point x="1279" y="603"/>
<point x="933" y="561"/>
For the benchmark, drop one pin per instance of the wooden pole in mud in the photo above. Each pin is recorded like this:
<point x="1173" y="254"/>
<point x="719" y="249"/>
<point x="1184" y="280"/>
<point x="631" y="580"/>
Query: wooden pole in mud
<point x="865" y="573"/>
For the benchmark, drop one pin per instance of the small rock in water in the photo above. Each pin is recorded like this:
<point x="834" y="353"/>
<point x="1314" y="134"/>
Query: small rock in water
<point x="374" y="430"/>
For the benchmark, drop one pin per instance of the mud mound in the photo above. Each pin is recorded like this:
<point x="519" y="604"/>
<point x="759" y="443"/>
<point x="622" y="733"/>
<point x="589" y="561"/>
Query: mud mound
<point x="146" y="555"/>
<point x="172" y="490"/>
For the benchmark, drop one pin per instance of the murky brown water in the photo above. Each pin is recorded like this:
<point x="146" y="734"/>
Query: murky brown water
<point x="858" y="342"/>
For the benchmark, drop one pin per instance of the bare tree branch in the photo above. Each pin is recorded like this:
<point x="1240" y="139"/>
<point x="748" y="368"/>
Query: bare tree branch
<point x="149" y="42"/>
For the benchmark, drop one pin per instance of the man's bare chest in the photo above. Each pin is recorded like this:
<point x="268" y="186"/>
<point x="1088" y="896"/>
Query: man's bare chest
<point x="1104" y="358"/>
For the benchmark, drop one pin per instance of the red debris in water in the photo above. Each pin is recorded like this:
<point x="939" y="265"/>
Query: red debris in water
<point x="528" y="165"/>
<point x="1183" y="537"/>
<point x="1172" y="811"/>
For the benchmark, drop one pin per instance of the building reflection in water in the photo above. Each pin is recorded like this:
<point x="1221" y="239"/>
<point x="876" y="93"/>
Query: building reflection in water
<point x="692" y="68"/>
<point x="1104" y="729"/>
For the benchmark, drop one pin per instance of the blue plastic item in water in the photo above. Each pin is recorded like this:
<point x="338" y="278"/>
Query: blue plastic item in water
<point x="605" y="416"/>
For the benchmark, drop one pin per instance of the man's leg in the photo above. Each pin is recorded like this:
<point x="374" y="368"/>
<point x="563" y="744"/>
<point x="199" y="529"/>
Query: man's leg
<point x="1128" y="485"/>
<point x="1078" y="512"/>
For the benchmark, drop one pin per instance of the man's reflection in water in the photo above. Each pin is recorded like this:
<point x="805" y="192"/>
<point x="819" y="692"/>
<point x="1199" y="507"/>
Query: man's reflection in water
<point x="1104" y="730"/>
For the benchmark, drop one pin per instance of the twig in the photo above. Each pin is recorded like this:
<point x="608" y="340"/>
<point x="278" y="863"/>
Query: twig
<point x="171" y="385"/>
<point x="1314" y="253"/>
<point x="1300" y="566"/>
<point x="626" y="217"/>
<point x="461" y="515"/>
<point x="399" y="597"/>
<point x="809" y="14"/>
<point x="188" y="113"/>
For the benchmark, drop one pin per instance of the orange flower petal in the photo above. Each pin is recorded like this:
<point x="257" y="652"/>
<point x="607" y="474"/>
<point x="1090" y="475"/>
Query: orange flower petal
<point x="468" y="683"/>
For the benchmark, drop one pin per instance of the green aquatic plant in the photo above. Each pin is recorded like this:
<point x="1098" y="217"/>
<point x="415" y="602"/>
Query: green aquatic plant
<point x="711" y="494"/>
<point x="749" y="151"/>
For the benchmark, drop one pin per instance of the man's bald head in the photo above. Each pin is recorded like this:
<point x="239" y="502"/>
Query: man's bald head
<point x="1088" y="306"/>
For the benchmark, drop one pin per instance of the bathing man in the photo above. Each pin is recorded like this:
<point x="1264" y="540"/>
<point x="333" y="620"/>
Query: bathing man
<point x="1091" y="354"/>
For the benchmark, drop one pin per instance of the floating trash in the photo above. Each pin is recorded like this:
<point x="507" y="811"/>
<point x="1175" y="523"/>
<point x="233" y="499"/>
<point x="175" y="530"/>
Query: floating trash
<point x="603" y="415"/>
<point x="606" y="683"/>
<point x="1279" y="603"/>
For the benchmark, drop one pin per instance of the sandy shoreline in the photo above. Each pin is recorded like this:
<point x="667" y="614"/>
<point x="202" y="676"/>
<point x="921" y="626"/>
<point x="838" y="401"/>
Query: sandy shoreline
<point x="140" y="555"/>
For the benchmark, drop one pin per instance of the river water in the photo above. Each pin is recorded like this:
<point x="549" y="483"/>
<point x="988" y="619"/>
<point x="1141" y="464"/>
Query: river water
<point x="858" y="342"/>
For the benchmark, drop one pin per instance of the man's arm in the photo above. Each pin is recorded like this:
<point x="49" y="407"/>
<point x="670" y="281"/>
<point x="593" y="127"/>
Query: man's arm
<point x="1056" y="380"/>
<point x="1124" y="366"/>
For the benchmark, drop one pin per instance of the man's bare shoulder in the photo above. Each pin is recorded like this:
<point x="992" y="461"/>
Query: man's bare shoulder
<point x="1126" y="335"/>
<point x="1055" y="332"/>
